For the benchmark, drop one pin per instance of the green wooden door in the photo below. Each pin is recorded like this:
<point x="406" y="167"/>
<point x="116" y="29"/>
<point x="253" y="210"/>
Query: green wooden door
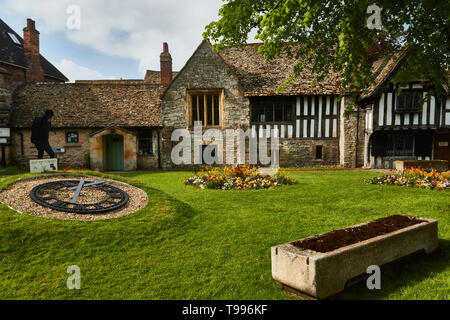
<point x="114" y="152"/>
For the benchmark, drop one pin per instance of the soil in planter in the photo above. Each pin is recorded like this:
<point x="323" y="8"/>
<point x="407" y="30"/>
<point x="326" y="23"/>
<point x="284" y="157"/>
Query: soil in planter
<point x="344" y="237"/>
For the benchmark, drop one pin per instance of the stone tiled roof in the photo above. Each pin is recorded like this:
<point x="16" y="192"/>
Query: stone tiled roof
<point x="262" y="79"/>
<point x="447" y="86"/>
<point x="90" y="105"/>
<point x="154" y="77"/>
<point x="14" y="54"/>
<point x="383" y="70"/>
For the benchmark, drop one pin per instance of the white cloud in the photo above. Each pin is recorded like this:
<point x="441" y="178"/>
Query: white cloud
<point x="74" y="71"/>
<point x="131" y="29"/>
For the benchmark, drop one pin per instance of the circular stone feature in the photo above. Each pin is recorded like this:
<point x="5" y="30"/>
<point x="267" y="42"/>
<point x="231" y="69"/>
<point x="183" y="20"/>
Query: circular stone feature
<point x="79" y="196"/>
<point x="17" y="197"/>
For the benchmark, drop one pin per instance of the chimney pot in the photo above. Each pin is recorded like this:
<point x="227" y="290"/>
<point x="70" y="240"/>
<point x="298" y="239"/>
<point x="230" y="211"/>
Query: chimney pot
<point x="34" y="73"/>
<point x="31" y="24"/>
<point x="166" y="65"/>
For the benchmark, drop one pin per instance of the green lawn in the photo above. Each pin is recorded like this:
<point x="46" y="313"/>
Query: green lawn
<point x="209" y="244"/>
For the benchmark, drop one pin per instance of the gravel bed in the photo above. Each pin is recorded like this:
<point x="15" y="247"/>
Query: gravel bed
<point x="17" y="197"/>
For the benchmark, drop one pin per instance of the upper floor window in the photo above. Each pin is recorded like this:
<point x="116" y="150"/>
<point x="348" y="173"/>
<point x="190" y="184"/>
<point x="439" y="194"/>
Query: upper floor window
<point x="206" y="108"/>
<point x="272" y="110"/>
<point x="409" y="100"/>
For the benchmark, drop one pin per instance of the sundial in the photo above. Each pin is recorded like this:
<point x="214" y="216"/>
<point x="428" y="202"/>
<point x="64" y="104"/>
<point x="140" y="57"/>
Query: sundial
<point x="79" y="196"/>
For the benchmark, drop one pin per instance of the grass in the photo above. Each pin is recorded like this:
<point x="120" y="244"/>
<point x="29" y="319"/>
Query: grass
<point x="189" y="243"/>
<point x="11" y="170"/>
<point x="315" y="168"/>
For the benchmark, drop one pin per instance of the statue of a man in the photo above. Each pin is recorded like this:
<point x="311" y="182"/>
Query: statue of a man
<point x="40" y="133"/>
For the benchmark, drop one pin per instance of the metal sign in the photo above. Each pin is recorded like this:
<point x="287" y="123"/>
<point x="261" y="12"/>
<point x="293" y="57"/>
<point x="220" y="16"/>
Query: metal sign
<point x="56" y="195"/>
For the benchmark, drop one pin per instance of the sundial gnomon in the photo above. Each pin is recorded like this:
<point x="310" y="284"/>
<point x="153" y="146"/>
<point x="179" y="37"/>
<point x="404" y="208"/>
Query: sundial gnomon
<point x="65" y="195"/>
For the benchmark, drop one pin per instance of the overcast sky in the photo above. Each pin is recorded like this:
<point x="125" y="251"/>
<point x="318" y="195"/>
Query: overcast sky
<point x="117" y="38"/>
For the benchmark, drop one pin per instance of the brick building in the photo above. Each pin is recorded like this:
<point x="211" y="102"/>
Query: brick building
<point x="21" y="56"/>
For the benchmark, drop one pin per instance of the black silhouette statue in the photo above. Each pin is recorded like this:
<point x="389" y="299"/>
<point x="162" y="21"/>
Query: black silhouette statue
<point x="40" y="132"/>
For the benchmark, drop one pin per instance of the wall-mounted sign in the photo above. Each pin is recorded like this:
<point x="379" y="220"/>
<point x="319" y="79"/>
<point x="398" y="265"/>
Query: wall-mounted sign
<point x="59" y="150"/>
<point x="443" y="143"/>
<point x="5" y="136"/>
<point x="5" y="132"/>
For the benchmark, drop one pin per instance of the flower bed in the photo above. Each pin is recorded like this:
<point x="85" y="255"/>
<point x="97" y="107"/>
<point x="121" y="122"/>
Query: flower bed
<point x="415" y="177"/>
<point x="236" y="178"/>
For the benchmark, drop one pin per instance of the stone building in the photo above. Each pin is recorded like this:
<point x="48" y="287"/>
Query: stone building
<point x="107" y="125"/>
<point x="242" y="88"/>
<point x="235" y="88"/>
<point x="113" y="125"/>
<point x="128" y="124"/>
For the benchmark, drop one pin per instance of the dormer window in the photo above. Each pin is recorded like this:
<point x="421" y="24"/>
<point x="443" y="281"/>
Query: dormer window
<point x="14" y="39"/>
<point x="409" y="101"/>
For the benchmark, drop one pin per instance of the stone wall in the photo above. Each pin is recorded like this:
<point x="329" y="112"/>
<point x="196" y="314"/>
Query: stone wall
<point x="74" y="152"/>
<point x="149" y="162"/>
<point x="205" y="70"/>
<point x="5" y="105"/>
<point x="5" y="96"/>
<point x="302" y="152"/>
<point x="352" y="136"/>
<point x="96" y="142"/>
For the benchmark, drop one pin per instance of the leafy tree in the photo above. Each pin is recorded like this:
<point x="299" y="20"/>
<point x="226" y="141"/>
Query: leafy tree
<point x="335" y="35"/>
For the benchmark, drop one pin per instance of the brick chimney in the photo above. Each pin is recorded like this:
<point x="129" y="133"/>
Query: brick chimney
<point x="166" y="65"/>
<point x="35" y="73"/>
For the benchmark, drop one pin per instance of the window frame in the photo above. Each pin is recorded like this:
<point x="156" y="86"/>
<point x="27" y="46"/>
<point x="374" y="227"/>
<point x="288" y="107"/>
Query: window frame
<point x="67" y="137"/>
<point x="286" y="102"/>
<point x="145" y="135"/>
<point x="316" y="152"/>
<point x="409" y="91"/>
<point x="394" y="139"/>
<point x="205" y="93"/>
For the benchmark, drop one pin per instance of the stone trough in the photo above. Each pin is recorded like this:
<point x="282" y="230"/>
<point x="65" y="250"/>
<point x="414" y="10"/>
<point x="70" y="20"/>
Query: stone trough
<point x="321" y="275"/>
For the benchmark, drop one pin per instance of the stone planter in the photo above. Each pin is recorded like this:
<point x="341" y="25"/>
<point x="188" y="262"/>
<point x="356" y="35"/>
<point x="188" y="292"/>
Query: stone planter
<point x="321" y="275"/>
<point x="438" y="165"/>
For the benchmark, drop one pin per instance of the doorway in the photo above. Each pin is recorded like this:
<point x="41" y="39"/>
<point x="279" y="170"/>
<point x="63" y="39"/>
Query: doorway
<point x="442" y="146"/>
<point x="114" y="153"/>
